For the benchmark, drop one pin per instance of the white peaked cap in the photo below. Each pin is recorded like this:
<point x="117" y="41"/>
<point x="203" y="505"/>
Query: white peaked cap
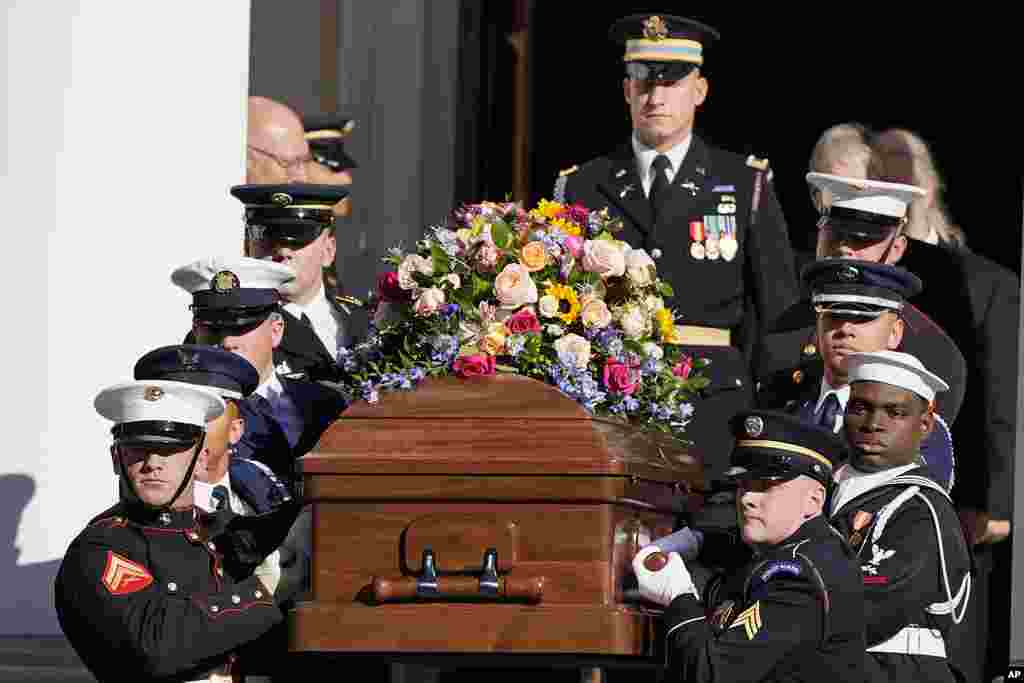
<point x="895" y="368"/>
<point x="163" y="401"/>
<point x="871" y="196"/>
<point x="251" y="273"/>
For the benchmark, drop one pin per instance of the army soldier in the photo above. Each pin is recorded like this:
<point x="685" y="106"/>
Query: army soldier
<point x="154" y="588"/>
<point x="236" y="305"/>
<point x="795" y="612"/>
<point x="711" y="214"/>
<point x="856" y="306"/>
<point x="912" y="552"/>
<point x="294" y="225"/>
<point x="326" y="138"/>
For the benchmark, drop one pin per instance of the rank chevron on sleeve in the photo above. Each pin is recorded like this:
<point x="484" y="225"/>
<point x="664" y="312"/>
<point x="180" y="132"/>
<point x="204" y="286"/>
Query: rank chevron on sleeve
<point x="122" y="576"/>
<point x="749" y="619"/>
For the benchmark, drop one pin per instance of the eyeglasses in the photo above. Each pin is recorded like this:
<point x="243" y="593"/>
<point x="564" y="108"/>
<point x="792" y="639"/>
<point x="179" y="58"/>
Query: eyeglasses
<point x="287" y="165"/>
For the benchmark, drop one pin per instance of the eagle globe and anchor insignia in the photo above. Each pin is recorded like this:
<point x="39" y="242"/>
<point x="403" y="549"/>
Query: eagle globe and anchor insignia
<point x="655" y="28"/>
<point x="225" y="281"/>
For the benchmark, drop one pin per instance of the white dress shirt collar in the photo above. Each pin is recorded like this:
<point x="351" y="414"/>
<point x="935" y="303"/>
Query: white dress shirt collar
<point x="645" y="157"/>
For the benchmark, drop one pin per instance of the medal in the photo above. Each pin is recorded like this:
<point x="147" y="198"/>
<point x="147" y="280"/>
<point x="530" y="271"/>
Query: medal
<point x="697" y="239"/>
<point x="713" y="249"/>
<point x="697" y="251"/>
<point x="728" y="244"/>
<point x="711" y="245"/>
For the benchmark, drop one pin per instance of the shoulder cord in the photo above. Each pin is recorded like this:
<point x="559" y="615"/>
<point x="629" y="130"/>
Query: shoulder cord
<point x="948" y="607"/>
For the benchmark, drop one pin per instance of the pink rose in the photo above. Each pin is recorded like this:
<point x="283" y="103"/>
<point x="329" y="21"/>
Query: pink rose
<point x="429" y="302"/>
<point x="514" y="287"/>
<point x="389" y="289"/>
<point x="574" y="245"/>
<point x="683" y="369"/>
<point x="604" y="258"/>
<point x="522" y="322"/>
<point x="620" y="377"/>
<point x="477" y="365"/>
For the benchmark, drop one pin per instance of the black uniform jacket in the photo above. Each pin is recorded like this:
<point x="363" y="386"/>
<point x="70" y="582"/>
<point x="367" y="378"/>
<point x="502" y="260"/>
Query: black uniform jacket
<point x="143" y="600"/>
<point x="794" y="613"/>
<point x="756" y="283"/>
<point x="301" y="354"/>
<point x="899" y="553"/>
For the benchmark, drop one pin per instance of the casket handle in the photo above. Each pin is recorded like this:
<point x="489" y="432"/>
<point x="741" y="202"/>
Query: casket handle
<point x="509" y="589"/>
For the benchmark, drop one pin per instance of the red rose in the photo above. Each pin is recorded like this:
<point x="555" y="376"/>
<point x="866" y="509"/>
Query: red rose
<point x="477" y="365"/>
<point x="522" y="321"/>
<point x="389" y="289"/>
<point x="620" y="377"/>
<point x="683" y="368"/>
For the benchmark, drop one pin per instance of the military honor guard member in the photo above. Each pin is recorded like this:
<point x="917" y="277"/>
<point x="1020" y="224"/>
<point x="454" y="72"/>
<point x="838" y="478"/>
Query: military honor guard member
<point x="326" y="135"/>
<point x="914" y="559"/>
<point x="856" y="306"/>
<point x="294" y="225"/>
<point x="795" y="612"/>
<point x="154" y="588"/>
<point x="237" y="306"/>
<point x="240" y="484"/>
<point x="711" y="214"/>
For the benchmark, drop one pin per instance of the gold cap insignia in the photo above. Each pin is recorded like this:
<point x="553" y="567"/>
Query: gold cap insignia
<point x="754" y="426"/>
<point x="153" y="393"/>
<point x="225" y="281"/>
<point x="798" y="376"/>
<point x="655" y="28"/>
<point x="810" y="349"/>
<point x="281" y="198"/>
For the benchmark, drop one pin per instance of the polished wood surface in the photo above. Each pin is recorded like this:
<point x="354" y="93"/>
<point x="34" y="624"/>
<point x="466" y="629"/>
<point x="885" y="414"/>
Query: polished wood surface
<point x="461" y="466"/>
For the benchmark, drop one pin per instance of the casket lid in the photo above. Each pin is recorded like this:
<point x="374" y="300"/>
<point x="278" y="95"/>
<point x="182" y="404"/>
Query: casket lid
<point x="499" y="425"/>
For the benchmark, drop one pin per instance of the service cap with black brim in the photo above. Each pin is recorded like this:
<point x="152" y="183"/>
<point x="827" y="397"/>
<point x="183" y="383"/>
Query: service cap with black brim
<point x="227" y="373"/>
<point x="293" y="214"/>
<point x="326" y="134"/>
<point x="860" y="208"/>
<point x="233" y="292"/>
<point x="158" y="413"/>
<point x="849" y="287"/>
<point x="778" y="446"/>
<point x="661" y="47"/>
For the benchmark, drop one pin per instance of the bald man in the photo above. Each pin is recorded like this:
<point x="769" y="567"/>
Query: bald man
<point x="276" y="147"/>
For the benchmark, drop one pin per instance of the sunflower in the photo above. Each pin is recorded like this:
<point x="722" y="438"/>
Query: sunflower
<point x="548" y="209"/>
<point x="666" y="323"/>
<point x="568" y="303"/>
<point x="568" y="227"/>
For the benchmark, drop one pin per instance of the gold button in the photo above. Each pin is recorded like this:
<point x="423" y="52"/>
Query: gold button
<point x="220" y="572"/>
<point x="172" y="586"/>
<point x="810" y="349"/>
<point x="193" y="536"/>
<point x="214" y="609"/>
<point x="211" y="546"/>
<point x="235" y="599"/>
<point x="798" y="376"/>
<point x="258" y="594"/>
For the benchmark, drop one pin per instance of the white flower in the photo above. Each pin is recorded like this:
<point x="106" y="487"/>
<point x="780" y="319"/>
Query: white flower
<point x="429" y="301"/>
<point x="453" y="280"/>
<point x="595" y="313"/>
<point x="640" y="267"/>
<point x="652" y="350"/>
<point x="653" y="303"/>
<point x="413" y="263"/>
<point x="555" y="330"/>
<point x="548" y="306"/>
<point x="576" y="347"/>
<point x="634" y="322"/>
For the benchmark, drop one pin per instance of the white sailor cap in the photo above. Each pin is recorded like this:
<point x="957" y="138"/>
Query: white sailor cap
<point x="866" y="197"/>
<point x="161" y="412"/>
<point x="895" y="368"/>
<point x="233" y="291"/>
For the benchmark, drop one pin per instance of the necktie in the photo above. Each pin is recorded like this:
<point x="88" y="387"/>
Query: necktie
<point x="659" y="185"/>
<point x="829" y="410"/>
<point x="220" y="497"/>
<point x="287" y="416"/>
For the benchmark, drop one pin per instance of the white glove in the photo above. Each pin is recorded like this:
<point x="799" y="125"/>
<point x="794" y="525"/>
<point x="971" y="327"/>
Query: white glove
<point x="666" y="584"/>
<point x="269" y="571"/>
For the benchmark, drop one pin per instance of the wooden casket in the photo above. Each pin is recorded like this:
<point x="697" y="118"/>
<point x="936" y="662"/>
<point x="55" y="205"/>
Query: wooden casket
<point x="489" y="515"/>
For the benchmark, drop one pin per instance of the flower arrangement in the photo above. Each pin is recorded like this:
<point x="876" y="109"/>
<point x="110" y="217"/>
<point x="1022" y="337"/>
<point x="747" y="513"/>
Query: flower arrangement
<point x="547" y="293"/>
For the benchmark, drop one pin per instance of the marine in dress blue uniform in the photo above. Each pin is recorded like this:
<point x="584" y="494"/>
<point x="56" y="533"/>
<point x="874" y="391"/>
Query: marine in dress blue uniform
<point x="711" y="214"/>
<point x="795" y="611"/>
<point x="914" y="559"/>
<point x="164" y="591"/>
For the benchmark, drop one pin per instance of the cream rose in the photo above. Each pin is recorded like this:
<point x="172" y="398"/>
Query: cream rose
<point x="640" y="267"/>
<point x="634" y="322"/>
<point x="575" y="346"/>
<point x="604" y="258"/>
<point x="596" y="314"/>
<point x="548" y="306"/>
<point x="514" y="287"/>
<point x="533" y="256"/>
<point x="454" y="280"/>
<point x="653" y="303"/>
<point x="429" y="301"/>
<point x="413" y="263"/>
<point x="652" y="350"/>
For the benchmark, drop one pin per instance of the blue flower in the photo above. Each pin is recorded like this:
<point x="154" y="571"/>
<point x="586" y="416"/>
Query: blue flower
<point x="514" y="345"/>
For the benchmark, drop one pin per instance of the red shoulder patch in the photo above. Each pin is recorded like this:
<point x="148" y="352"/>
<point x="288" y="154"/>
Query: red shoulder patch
<point x="122" y="576"/>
